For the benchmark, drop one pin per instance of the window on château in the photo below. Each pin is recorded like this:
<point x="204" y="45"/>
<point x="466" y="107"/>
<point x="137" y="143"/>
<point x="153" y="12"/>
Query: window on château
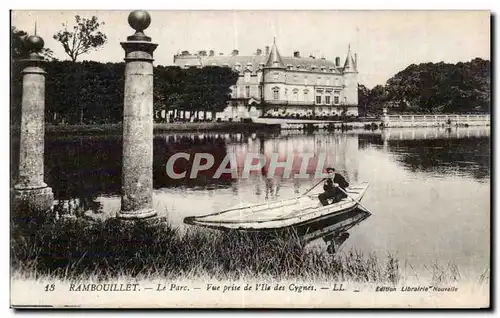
<point x="319" y="96"/>
<point x="276" y="75"/>
<point x="247" y="91"/>
<point x="247" y="77"/>
<point x="318" y="99"/>
<point x="336" y="99"/>
<point x="276" y="93"/>
<point x="328" y="99"/>
<point x="305" y="80"/>
<point x="306" y="94"/>
<point x="295" y="94"/>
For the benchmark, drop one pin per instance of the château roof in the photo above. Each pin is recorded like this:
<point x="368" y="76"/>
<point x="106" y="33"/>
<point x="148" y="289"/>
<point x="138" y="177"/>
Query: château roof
<point x="350" y="63"/>
<point x="274" y="59"/>
<point x="257" y="61"/>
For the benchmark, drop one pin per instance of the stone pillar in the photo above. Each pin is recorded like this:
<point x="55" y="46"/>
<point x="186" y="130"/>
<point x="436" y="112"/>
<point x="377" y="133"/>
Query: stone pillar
<point x="137" y="164"/>
<point x="32" y="196"/>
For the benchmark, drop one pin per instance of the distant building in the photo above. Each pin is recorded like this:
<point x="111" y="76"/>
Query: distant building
<point x="279" y="85"/>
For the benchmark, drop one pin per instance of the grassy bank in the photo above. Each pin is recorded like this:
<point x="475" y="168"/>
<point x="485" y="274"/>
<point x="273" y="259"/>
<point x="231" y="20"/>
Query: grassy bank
<point x="75" y="249"/>
<point x="161" y="127"/>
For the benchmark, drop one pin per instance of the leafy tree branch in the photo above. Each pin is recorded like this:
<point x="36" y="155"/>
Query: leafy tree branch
<point x="83" y="37"/>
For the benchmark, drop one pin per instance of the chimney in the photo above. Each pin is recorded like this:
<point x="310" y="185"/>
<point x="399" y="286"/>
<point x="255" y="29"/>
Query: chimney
<point x="202" y="53"/>
<point x="323" y="58"/>
<point x="337" y="61"/>
<point x="259" y="51"/>
<point x="234" y="53"/>
<point x="312" y="56"/>
<point x="267" y="49"/>
<point x="221" y="53"/>
<point x="212" y="52"/>
<point x="296" y="54"/>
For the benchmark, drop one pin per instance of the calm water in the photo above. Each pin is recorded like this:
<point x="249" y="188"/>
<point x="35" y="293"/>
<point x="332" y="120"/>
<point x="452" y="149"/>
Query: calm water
<point x="429" y="187"/>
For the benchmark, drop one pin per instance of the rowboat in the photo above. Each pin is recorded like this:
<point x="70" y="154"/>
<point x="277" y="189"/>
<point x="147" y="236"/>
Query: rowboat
<point x="293" y="212"/>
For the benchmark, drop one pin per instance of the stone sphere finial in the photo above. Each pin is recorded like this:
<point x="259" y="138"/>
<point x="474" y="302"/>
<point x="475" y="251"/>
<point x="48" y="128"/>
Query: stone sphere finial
<point x="139" y="20"/>
<point x="34" y="43"/>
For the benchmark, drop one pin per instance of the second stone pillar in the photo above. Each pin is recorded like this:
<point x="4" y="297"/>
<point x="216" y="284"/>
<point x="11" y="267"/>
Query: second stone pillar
<point x="137" y="164"/>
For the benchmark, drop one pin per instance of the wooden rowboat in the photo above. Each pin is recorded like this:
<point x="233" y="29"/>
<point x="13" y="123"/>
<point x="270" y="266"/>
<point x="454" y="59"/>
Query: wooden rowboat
<point x="275" y="215"/>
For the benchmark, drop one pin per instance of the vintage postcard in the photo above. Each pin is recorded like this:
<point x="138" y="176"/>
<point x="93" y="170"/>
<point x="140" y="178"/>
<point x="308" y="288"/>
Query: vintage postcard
<point x="250" y="159"/>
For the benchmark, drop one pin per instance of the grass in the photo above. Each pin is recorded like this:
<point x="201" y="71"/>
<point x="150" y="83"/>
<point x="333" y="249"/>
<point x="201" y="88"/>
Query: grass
<point x="75" y="249"/>
<point x="162" y="127"/>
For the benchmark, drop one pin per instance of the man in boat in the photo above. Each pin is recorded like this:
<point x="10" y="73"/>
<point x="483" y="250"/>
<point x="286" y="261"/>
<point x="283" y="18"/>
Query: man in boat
<point x="331" y="187"/>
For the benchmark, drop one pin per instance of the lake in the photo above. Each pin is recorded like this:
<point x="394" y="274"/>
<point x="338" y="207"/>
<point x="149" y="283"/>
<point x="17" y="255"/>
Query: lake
<point x="429" y="187"/>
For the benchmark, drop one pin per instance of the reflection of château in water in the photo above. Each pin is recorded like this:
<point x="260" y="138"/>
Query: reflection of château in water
<point x="341" y="150"/>
<point x="86" y="167"/>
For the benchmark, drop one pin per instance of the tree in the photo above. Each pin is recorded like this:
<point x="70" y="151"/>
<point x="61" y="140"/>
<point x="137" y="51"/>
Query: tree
<point x="84" y="37"/>
<point x="441" y="87"/>
<point x="206" y="89"/>
<point x="363" y="94"/>
<point x="432" y="88"/>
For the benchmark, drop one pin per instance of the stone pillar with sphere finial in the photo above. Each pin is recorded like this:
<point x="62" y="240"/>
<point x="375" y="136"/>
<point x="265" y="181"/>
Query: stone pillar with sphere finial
<point x="137" y="164"/>
<point x="32" y="196"/>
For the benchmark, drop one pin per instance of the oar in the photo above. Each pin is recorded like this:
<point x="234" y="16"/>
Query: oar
<point x="359" y="203"/>
<point x="314" y="186"/>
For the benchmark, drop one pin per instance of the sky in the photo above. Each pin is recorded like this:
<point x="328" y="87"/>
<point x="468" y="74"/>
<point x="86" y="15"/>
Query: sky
<point x="386" y="42"/>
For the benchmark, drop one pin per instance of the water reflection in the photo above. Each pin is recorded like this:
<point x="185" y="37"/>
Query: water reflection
<point x="82" y="168"/>
<point x="428" y="186"/>
<point x="165" y="146"/>
<point x="437" y="151"/>
<point x="334" y="231"/>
